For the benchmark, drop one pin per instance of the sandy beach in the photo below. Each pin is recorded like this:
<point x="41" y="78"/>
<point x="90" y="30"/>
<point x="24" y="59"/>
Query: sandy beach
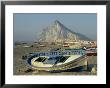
<point x="21" y="67"/>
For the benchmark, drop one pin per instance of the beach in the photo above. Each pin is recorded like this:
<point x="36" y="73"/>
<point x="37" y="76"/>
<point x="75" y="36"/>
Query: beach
<point x="21" y="67"/>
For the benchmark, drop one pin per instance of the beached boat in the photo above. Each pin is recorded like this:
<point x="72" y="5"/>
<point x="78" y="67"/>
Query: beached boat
<point x="56" y="60"/>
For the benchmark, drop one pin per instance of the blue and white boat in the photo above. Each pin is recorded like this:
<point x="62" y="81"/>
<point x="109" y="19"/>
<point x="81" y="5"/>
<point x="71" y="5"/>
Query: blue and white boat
<point x="56" y="60"/>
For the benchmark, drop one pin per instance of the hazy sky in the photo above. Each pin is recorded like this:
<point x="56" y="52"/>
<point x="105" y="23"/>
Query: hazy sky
<point x="27" y="26"/>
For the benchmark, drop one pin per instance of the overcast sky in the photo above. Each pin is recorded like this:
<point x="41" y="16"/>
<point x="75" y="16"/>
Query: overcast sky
<point x="27" y="26"/>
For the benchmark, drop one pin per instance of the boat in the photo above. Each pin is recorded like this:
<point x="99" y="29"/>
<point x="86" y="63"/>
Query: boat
<point x="56" y="60"/>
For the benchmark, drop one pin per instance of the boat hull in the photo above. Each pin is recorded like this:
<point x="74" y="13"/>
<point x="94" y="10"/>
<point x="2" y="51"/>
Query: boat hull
<point x="69" y="65"/>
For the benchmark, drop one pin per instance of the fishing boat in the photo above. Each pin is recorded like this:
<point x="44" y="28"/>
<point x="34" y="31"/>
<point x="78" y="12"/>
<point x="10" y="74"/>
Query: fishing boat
<point x="56" y="60"/>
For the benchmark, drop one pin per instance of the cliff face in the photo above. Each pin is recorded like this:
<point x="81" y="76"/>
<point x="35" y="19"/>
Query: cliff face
<point x="59" y="33"/>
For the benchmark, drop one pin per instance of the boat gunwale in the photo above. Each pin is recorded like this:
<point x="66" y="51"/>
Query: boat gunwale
<point x="73" y="64"/>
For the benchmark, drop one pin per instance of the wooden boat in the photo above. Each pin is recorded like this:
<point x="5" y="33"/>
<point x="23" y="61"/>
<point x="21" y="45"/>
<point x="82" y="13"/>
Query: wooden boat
<point x="56" y="60"/>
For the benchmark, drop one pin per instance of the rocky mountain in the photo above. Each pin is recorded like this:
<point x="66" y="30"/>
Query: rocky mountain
<point x="57" y="32"/>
